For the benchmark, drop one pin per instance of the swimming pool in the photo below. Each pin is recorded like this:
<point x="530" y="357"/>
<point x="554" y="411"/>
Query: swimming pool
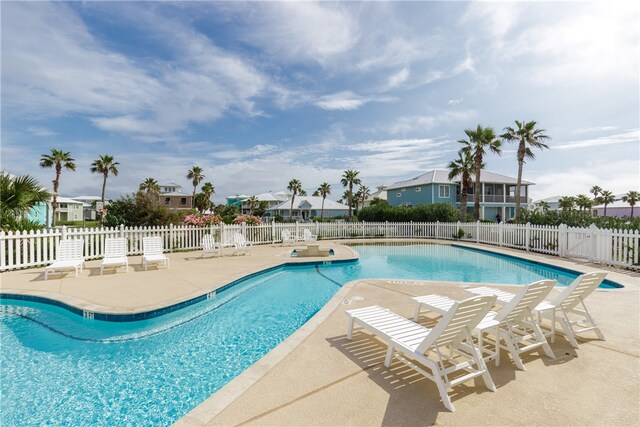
<point x="58" y="368"/>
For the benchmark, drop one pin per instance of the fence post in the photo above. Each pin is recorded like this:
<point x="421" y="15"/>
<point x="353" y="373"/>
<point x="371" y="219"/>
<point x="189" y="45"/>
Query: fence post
<point x="500" y="234"/>
<point x="64" y="232"/>
<point x="478" y="231"/>
<point x="273" y="232"/>
<point x="243" y="227"/>
<point x="458" y="230"/>
<point x="386" y="229"/>
<point x="593" y="250"/>
<point x="562" y="240"/>
<point x="297" y="229"/>
<point x="437" y="229"/>
<point x="121" y="230"/>
<point x="363" y="229"/>
<point x="223" y="239"/>
<point x="171" y="237"/>
<point x="527" y="236"/>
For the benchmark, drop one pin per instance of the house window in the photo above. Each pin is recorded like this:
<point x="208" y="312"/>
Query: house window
<point x="444" y="192"/>
<point x="398" y="194"/>
<point x="183" y="201"/>
<point x="418" y="189"/>
<point x="167" y="201"/>
<point x="63" y="206"/>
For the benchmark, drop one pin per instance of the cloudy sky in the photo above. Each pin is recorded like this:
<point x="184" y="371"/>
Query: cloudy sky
<point x="260" y="93"/>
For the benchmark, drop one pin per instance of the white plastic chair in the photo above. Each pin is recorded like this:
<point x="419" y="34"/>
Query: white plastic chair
<point x="288" y="238"/>
<point x="153" y="252"/>
<point x="308" y="237"/>
<point x="241" y="244"/>
<point x="513" y="324"/>
<point x="566" y="303"/>
<point x="69" y="256"/>
<point x="449" y="341"/>
<point x="115" y="253"/>
<point x="209" y="246"/>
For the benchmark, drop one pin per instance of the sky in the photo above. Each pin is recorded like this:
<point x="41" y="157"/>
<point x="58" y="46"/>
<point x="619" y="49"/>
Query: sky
<point x="259" y="93"/>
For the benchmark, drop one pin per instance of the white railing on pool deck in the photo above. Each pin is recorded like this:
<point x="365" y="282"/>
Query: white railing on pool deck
<point x="612" y="247"/>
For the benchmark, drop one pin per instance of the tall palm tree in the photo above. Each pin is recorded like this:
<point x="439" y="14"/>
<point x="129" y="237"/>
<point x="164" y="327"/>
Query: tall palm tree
<point x="323" y="191"/>
<point x="632" y="197"/>
<point x="252" y="202"/>
<point x="363" y="193"/>
<point x="58" y="159"/>
<point x="17" y="195"/>
<point x="150" y="185"/>
<point x="209" y="190"/>
<point x="481" y="140"/>
<point x="595" y="190"/>
<point x="196" y="176"/>
<point x="105" y="165"/>
<point x="527" y="137"/>
<point x="294" y="186"/>
<point x="567" y="203"/>
<point x="583" y="202"/>
<point x="606" y="198"/>
<point x="349" y="179"/>
<point x="463" y="167"/>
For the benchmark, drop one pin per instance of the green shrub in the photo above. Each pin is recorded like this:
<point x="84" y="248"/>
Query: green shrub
<point x="443" y="212"/>
<point x="140" y="209"/>
<point x="580" y="219"/>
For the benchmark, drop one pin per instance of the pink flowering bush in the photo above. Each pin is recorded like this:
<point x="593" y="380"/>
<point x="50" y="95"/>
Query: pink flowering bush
<point x="200" y="220"/>
<point x="248" y="219"/>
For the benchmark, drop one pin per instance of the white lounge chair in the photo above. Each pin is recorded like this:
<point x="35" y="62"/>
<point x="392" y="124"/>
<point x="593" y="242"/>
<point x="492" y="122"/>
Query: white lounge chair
<point x="209" y="246"/>
<point x="241" y="244"/>
<point x="115" y="253"/>
<point x="565" y="303"/>
<point x="69" y="256"/>
<point x="449" y="341"/>
<point x="514" y="323"/>
<point x="308" y="237"/>
<point x="287" y="237"/>
<point x="153" y="252"/>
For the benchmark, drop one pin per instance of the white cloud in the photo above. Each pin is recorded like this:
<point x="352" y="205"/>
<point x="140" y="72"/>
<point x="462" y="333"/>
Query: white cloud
<point x="623" y="138"/>
<point x="346" y="101"/>
<point x="454" y="101"/>
<point x="595" y="129"/>
<point x="41" y="131"/>
<point x="398" y="78"/>
<point x="408" y="124"/>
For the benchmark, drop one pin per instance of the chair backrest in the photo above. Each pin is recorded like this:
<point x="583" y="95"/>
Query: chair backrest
<point x="239" y="240"/>
<point x="152" y="245"/>
<point x="525" y="300"/>
<point x="69" y="249"/>
<point x="115" y="247"/>
<point x="286" y="235"/>
<point x="307" y="233"/>
<point x="581" y="288"/>
<point x="208" y="241"/>
<point x="456" y="325"/>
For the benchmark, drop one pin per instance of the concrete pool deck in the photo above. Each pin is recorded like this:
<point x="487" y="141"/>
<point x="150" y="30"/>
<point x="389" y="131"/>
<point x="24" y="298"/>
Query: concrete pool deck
<point x="318" y="377"/>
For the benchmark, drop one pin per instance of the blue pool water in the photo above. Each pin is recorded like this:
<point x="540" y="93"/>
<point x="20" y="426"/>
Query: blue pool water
<point x="57" y="368"/>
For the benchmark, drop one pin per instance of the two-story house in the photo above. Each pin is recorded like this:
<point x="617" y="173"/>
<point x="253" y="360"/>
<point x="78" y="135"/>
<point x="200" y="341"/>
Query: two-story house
<point x="497" y="193"/>
<point x="172" y="197"/>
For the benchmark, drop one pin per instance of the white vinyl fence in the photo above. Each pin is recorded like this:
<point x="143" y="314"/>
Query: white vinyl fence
<point x="611" y="247"/>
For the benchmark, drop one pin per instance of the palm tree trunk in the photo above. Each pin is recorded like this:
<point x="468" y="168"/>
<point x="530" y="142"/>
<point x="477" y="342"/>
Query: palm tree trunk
<point x="104" y="186"/>
<point x="478" y="187"/>
<point x="54" y="204"/>
<point x="322" y="209"/>
<point x="291" y="208"/>
<point x="631" y="211"/>
<point x="519" y="181"/>
<point x="463" y="203"/>
<point x="350" y="198"/>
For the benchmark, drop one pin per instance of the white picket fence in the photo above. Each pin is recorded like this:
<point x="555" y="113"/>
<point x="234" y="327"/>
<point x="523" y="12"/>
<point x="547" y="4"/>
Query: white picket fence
<point x="611" y="247"/>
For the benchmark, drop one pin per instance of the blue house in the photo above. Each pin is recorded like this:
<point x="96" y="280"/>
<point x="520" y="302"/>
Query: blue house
<point x="497" y="198"/>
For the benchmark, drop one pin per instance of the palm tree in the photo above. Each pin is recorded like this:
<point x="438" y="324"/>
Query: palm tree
<point x="294" y="186"/>
<point x="527" y="137"/>
<point x="209" y="190"/>
<point x="252" y="202"/>
<point x="583" y="202"/>
<point x="196" y="176"/>
<point x="349" y="179"/>
<point x="363" y="193"/>
<point x="462" y="167"/>
<point x="58" y="159"/>
<point x="302" y="192"/>
<point x="606" y="198"/>
<point x="544" y="206"/>
<point x="18" y="195"/>
<point x="480" y="140"/>
<point x="150" y="185"/>
<point x="104" y="165"/>
<point x="632" y="198"/>
<point x="595" y="190"/>
<point x="324" y="190"/>
<point x="566" y="203"/>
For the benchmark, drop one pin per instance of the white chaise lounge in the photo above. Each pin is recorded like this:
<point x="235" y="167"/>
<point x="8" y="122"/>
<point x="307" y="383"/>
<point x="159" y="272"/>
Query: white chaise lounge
<point x="209" y="246"/>
<point x="115" y="253"/>
<point x="241" y="244"/>
<point x="153" y="252"/>
<point x="69" y="256"/>
<point x="449" y="341"/>
<point x="566" y="303"/>
<point x="288" y="238"/>
<point x="308" y="237"/>
<point x="513" y="324"/>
